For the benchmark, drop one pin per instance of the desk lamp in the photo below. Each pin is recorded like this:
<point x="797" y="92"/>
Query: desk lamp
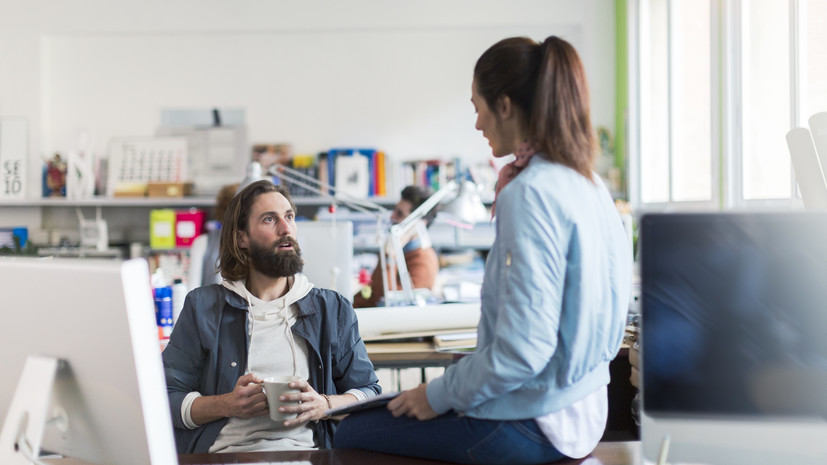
<point x="253" y="174"/>
<point x="464" y="210"/>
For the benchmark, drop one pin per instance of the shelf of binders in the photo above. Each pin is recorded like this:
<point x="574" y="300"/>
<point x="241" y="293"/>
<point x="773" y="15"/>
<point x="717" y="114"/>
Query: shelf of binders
<point x="183" y="202"/>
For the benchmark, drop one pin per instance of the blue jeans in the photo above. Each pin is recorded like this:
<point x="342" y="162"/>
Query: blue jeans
<point x="449" y="437"/>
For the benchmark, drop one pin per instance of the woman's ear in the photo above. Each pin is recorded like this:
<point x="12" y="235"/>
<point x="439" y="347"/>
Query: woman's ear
<point x="504" y="107"/>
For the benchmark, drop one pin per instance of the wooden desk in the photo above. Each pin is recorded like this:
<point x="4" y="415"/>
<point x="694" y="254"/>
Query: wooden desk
<point x="407" y="355"/>
<point x="607" y="453"/>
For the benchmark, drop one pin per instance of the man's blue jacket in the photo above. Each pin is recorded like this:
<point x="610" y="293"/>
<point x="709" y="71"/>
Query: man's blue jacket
<point x="207" y="353"/>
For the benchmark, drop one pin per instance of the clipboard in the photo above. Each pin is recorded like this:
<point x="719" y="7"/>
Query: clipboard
<point x="370" y="403"/>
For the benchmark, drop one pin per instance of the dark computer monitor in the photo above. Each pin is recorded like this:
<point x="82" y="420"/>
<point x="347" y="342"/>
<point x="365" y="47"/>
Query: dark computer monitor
<point x="734" y="337"/>
<point x="94" y="385"/>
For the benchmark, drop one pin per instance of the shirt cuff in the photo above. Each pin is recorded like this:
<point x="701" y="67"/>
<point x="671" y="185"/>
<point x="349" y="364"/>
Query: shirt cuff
<point x="186" y="409"/>
<point x="360" y="395"/>
<point x="437" y="395"/>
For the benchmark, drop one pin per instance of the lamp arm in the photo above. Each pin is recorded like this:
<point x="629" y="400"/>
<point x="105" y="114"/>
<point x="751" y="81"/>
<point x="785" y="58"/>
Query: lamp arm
<point x="324" y="189"/>
<point x="402" y="269"/>
<point x="366" y="206"/>
<point x="402" y="228"/>
<point x="411" y="220"/>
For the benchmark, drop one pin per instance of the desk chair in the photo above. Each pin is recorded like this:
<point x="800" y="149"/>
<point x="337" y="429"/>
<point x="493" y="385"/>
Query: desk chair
<point x="808" y="168"/>
<point x="818" y="131"/>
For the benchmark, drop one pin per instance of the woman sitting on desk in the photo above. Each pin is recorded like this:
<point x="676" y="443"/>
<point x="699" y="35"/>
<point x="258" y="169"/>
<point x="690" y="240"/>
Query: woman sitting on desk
<point x="556" y="288"/>
<point x="420" y="257"/>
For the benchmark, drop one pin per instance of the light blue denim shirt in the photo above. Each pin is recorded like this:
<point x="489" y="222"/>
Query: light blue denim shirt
<point x="554" y="300"/>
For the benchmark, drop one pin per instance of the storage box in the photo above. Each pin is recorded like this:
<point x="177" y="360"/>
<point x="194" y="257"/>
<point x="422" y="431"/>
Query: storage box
<point x="188" y="225"/>
<point x="162" y="229"/>
<point x="169" y="189"/>
<point x="129" y="189"/>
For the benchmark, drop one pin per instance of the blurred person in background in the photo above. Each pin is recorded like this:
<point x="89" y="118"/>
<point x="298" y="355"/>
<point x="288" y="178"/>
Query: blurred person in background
<point x="203" y="268"/>
<point x="420" y="256"/>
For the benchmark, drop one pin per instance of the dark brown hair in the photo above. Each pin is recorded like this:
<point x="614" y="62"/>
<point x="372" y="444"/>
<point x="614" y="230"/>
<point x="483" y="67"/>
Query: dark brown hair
<point x="233" y="262"/>
<point x="547" y="83"/>
<point x="222" y="200"/>
<point x="417" y="195"/>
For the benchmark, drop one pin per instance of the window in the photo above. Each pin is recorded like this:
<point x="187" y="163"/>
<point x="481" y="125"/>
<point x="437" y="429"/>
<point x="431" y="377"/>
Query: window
<point x="715" y="87"/>
<point x="676" y="156"/>
<point x="765" y="99"/>
<point x="815" y="43"/>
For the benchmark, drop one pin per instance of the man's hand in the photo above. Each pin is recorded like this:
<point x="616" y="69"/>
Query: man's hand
<point x="311" y="405"/>
<point x="246" y="400"/>
<point x="413" y="403"/>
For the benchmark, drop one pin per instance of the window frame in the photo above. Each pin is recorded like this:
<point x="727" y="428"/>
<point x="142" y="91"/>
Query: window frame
<point x="726" y="118"/>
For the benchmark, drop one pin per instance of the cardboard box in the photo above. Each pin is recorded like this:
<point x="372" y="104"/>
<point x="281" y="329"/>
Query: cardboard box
<point x="189" y="224"/>
<point x="162" y="229"/>
<point x="169" y="189"/>
<point x="129" y="189"/>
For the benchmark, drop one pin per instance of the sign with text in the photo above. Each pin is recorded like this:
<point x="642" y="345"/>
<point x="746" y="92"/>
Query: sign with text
<point x="14" y="133"/>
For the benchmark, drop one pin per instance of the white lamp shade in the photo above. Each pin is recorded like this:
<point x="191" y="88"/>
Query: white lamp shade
<point x="467" y="206"/>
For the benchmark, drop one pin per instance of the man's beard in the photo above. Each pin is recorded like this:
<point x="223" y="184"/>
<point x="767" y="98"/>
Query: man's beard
<point x="275" y="263"/>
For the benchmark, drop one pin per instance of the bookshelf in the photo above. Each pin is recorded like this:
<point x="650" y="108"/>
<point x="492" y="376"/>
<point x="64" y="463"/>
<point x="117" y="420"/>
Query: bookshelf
<point x="51" y="219"/>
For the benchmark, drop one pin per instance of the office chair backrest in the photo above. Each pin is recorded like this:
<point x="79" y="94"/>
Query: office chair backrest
<point x="807" y="168"/>
<point x="818" y="131"/>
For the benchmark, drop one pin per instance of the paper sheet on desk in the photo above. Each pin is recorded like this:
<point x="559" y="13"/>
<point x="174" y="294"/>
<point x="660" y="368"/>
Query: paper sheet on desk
<point x="462" y="291"/>
<point x="386" y="320"/>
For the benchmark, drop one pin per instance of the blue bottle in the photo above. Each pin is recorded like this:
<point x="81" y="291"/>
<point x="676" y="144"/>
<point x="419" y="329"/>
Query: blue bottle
<point x="163" y="306"/>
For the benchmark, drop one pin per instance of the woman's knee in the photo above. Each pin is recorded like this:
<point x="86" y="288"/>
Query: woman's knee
<point x="343" y="437"/>
<point x="351" y="430"/>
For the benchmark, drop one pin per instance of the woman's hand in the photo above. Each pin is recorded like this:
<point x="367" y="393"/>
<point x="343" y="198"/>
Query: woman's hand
<point x="311" y="405"/>
<point x="413" y="403"/>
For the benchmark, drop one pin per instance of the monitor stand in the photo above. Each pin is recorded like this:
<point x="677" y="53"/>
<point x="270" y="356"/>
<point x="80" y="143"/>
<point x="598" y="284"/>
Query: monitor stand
<point x="28" y="412"/>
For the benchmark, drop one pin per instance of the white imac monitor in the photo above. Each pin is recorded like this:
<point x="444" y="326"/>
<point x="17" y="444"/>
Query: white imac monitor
<point x="327" y="250"/>
<point x="734" y="338"/>
<point x="81" y="363"/>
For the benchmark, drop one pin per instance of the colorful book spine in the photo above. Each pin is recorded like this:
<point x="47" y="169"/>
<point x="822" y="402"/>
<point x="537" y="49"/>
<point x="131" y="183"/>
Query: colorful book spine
<point x="381" y="189"/>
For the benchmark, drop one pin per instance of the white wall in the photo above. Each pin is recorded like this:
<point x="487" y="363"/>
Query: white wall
<point x="388" y="74"/>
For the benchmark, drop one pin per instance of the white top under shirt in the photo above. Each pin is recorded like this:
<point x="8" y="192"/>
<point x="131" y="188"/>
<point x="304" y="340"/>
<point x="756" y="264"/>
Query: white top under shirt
<point x="576" y="429"/>
<point x="273" y="351"/>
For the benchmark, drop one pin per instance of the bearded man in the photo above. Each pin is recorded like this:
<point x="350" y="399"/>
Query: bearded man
<point x="264" y="320"/>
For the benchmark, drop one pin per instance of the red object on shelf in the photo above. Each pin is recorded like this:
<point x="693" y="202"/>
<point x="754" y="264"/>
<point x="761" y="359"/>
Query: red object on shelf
<point x="364" y="276"/>
<point x="188" y="225"/>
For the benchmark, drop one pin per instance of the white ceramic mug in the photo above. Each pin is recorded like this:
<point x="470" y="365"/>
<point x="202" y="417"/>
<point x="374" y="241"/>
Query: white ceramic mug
<point x="275" y="387"/>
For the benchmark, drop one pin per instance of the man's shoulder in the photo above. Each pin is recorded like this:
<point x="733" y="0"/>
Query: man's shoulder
<point x="208" y="291"/>
<point x="214" y="296"/>
<point x="327" y="303"/>
<point x="326" y="297"/>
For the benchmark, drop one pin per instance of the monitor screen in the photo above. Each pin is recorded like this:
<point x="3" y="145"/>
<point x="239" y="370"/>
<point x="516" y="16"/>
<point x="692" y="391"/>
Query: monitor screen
<point x="734" y="324"/>
<point x="109" y="394"/>
<point x="327" y="250"/>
